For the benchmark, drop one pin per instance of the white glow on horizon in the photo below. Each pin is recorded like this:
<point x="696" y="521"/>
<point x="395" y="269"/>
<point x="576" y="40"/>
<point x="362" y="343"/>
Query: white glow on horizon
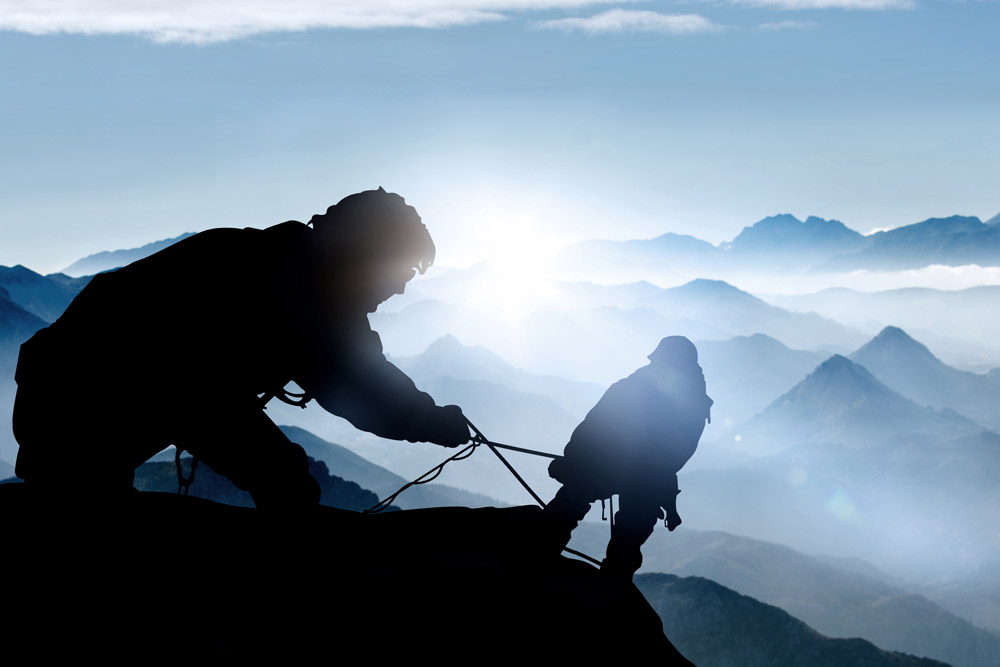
<point x="517" y="252"/>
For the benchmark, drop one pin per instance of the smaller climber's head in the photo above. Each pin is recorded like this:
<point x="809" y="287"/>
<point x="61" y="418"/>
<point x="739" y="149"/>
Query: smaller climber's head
<point x="677" y="357"/>
<point x="676" y="351"/>
<point x="375" y="243"/>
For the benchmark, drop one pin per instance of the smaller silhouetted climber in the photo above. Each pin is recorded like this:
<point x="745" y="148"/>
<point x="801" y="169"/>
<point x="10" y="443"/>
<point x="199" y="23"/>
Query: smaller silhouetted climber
<point x="184" y="348"/>
<point x="632" y="443"/>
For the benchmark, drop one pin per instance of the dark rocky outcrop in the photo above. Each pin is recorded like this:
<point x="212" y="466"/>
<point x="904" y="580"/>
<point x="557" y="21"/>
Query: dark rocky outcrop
<point x="171" y="577"/>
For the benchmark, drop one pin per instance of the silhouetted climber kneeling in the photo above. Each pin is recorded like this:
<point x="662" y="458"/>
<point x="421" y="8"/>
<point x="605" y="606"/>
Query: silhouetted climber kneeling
<point x="185" y="347"/>
<point x="632" y="443"/>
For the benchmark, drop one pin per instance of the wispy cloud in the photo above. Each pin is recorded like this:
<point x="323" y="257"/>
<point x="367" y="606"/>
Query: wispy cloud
<point x="871" y="5"/>
<point x="206" y="21"/>
<point x="788" y="25"/>
<point x="625" y="20"/>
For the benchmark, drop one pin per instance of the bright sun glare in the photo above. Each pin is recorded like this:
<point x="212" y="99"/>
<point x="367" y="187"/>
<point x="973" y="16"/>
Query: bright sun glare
<point x="513" y="256"/>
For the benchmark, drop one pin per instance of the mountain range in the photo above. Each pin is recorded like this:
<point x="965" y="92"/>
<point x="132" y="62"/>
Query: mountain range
<point x="783" y="243"/>
<point x="842" y="402"/>
<point x="877" y="452"/>
<point x="747" y="373"/>
<point x="44" y="296"/>
<point x="113" y="259"/>
<point x="834" y="601"/>
<point x="952" y="322"/>
<point x="714" y="626"/>
<point x="910" y="369"/>
<point x="954" y="241"/>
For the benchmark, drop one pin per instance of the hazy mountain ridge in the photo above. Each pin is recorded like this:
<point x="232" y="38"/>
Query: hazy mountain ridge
<point x="834" y="601"/>
<point x="714" y="626"/>
<point x="975" y="597"/>
<point x="210" y="485"/>
<point x="841" y="402"/>
<point x="916" y="508"/>
<point x="382" y="482"/>
<point x="612" y="340"/>
<point x="745" y="374"/>
<point x="447" y="357"/>
<point x="954" y="241"/>
<point x="783" y="243"/>
<point x="950" y="321"/>
<point x="113" y="259"/>
<point x="776" y="243"/>
<point x="909" y="368"/>
<point x="787" y="239"/>
<point x="729" y="308"/>
<point x="44" y="296"/>
<point x="16" y="326"/>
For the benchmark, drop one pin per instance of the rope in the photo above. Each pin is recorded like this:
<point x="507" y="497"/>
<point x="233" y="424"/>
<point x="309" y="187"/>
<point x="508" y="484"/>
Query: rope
<point x="496" y="451"/>
<point x="428" y="476"/>
<point x="477" y="440"/>
<point x="582" y="555"/>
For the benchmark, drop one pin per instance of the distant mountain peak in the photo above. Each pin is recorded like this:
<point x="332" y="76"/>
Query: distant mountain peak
<point x="837" y="381"/>
<point x="708" y="284"/>
<point x="785" y="232"/>
<point x="838" y="363"/>
<point x="445" y="343"/>
<point x="113" y="259"/>
<point x="895" y="343"/>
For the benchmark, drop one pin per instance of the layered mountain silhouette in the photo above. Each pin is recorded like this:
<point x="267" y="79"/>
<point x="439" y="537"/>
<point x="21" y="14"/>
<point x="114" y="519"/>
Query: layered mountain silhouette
<point x="950" y="321"/>
<point x="954" y="241"/>
<point x="740" y="313"/>
<point x="911" y="369"/>
<point x="834" y="601"/>
<point x="382" y="482"/>
<point x="776" y="243"/>
<point x="16" y="326"/>
<point x="747" y="373"/>
<point x="161" y="477"/>
<point x="917" y="507"/>
<point x="113" y="259"/>
<point x="841" y="402"/>
<point x="718" y="627"/>
<point x="783" y="243"/>
<point x="612" y="340"/>
<point x="44" y="296"/>
<point x="793" y="243"/>
<point x="448" y="358"/>
<point x="975" y="596"/>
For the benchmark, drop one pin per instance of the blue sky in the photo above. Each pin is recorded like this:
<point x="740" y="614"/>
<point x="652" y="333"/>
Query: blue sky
<point x="506" y="123"/>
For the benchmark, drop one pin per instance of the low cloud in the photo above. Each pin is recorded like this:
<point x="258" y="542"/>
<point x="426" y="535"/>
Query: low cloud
<point x="624" y="20"/>
<point x="207" y="21"/>
<point x="871" y="5"/>
<point x="788" y="25"/>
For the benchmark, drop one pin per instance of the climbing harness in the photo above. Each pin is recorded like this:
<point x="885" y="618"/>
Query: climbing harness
<point x="287" y="397"/>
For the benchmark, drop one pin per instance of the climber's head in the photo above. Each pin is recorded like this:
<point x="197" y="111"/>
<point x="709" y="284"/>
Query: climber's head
<point x="376" y="241"/>
<point x="676" y="360"/>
